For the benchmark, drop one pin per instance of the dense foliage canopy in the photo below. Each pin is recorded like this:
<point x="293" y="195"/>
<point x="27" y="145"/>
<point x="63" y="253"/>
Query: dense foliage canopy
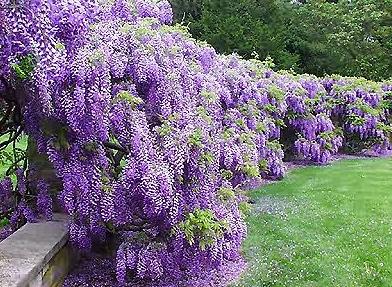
<point x="153" y="134"/>
<point x="350" y="38"/>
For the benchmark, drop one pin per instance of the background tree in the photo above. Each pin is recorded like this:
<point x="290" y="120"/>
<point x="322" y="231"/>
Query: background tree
<point x="351" y="38"/>
<point x="153" y="135"/>
<point x="245" y="27"/>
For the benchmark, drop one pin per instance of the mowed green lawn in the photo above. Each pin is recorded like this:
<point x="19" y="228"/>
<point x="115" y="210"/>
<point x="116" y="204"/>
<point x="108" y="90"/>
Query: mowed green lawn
<point x="323" y="226"/>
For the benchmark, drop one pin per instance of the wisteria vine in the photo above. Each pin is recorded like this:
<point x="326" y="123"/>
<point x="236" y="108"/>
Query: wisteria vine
<point x="152" y="133"/>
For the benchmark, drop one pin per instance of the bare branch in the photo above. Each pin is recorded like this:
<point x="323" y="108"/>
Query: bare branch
<point x="6" y="116"/>
<point x="14" y="165"/>
<point x="7" y="132"/>
<point x="12" y="139"/>
<point x="118" y="157"/>
<point x="116" y="147"/>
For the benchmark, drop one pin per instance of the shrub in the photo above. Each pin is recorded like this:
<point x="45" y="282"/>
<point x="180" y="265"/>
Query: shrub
<point x="150" y="130"/>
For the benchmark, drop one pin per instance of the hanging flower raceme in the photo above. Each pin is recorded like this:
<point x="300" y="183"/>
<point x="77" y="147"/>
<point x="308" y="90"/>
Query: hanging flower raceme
<point x="153" y="133"/>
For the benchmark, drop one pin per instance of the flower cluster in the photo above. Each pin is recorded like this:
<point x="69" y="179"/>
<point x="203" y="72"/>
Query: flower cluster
<point x="362" y="109"/>
<point x="19" y="205"/>
<point x="153" y="133"/>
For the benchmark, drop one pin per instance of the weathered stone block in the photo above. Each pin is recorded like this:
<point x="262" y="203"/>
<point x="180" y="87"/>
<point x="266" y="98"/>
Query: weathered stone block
<point x="37" y="255"/>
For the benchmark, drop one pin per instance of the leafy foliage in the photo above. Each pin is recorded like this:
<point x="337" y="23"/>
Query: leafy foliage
<point x="24" y="67"/>
<point x="201" y="225"/>
<point x="151" y="131"/>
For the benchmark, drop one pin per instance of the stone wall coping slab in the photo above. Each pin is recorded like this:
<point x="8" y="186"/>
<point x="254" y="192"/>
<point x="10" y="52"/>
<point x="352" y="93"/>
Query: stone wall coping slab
<point x="25" y="253"/>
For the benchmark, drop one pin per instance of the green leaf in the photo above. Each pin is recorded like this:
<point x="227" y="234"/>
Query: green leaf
<point x="24" y="67"/>
<point x="196" y="138"/>
<point x="4" y="222"/>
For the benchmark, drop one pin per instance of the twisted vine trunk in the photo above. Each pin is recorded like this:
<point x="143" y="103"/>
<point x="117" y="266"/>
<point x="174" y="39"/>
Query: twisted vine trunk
<point x="43" y="169"/>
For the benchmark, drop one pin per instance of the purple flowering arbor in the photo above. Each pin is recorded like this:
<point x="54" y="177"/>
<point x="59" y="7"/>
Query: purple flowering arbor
<point x="152" y="133"/>
<point x="362" y="108"/>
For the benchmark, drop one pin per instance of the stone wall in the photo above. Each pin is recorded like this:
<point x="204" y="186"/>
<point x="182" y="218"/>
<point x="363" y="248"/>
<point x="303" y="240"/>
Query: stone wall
<point x="37" y="255"/>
